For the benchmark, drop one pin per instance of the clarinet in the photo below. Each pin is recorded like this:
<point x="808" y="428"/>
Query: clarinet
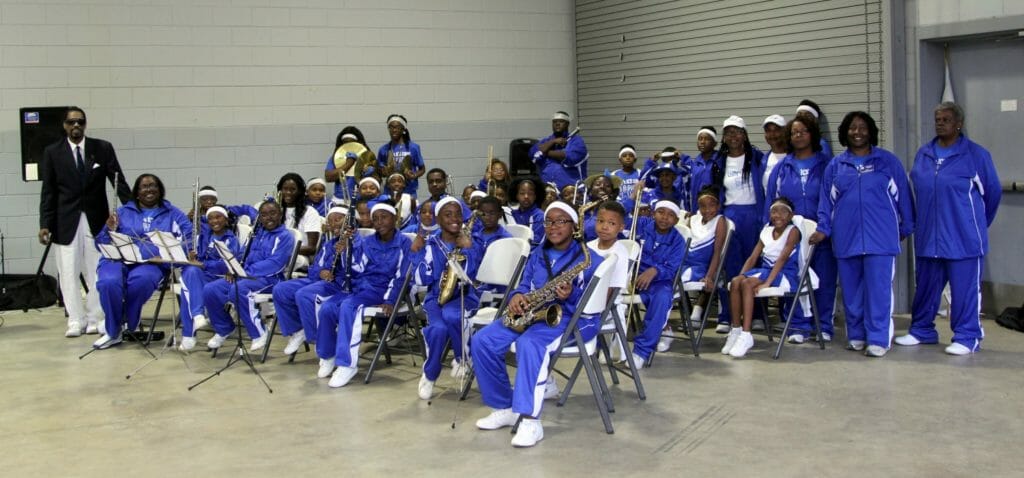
<point x="350" y="226"/>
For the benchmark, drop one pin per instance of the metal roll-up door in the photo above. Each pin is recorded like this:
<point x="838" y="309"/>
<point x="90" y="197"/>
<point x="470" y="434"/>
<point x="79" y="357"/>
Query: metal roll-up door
<point x="652" y="72"/>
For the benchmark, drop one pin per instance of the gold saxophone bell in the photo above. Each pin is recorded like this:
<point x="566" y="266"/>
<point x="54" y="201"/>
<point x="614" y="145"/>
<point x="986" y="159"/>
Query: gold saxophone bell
<point x="364" y="159"/>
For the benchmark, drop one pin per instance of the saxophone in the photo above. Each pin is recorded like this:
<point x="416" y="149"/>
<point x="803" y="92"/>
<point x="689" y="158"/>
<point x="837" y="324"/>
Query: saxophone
<point x="449" y="279"/>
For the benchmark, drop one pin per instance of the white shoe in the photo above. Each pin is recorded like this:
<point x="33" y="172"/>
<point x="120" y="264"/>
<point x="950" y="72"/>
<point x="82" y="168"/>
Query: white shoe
<point x="855" y="345"/>
<point x="665" y="342"/>
<point x="498" y="419"/>
<point x="458" y="369"/>
<point x="795" y="339"/>
<point x="198" y="322"/>
<point x="958" y="349"/>
<point x="258" y="343"/>
<point x="294" y="342"/>
<point x="92" y="329"/>
<point x="743" y="343"/>
<point x="216" y="341"/>
<point x="730" y="341"/>
<point x="550" y="389"/>
<point x="326" y="368"/>
<point x="187" y="343"/>
<point x="907" y="340"/>
<point x="426" y="388"/>
<point x="341" y="376"/>
<point x="74" y="330"/>
<point x="825" y="337"/>
<point x="695" y="316"/>
<point x="723" y="329"/>
<point x="105" y="341"/>
<point x="875" y="351"/>
<point x="639" y="361"/>
<point x="529" y="433"/>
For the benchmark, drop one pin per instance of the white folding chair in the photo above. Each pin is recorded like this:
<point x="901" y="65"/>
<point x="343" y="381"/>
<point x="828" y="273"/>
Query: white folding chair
<point x="365" y="231"/>
<point x="520" y="231"/>
<point x="803" y="290"/>
<point x="684" y="289"/>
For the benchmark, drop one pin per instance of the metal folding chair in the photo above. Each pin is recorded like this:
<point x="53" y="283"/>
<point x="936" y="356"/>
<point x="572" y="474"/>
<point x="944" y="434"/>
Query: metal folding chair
<point x="684" y="289"/>
<point x="803" y="290"/>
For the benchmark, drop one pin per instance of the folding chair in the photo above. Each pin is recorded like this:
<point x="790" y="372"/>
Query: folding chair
<point x="631" y="299"/>
<point x="613" y="325"/>
<point x="405" y="308"/>
<point x="520" y="231"/>
<point x="806" y="284"/>
<point x="684" y="289"/>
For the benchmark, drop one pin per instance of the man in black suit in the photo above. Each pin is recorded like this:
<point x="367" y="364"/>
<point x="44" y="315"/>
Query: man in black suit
<point x="72" y="209"/>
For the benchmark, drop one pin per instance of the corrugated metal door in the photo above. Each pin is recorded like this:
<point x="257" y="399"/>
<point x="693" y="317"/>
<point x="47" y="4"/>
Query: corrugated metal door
<point x="651" y="72"/>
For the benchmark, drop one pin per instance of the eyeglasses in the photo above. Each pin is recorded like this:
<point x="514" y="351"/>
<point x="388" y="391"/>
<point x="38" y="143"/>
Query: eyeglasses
<point x="74" y="121"/>
<point x="556" y="222"/>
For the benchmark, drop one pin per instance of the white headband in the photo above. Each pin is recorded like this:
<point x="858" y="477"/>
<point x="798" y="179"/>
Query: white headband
<point x="398" y="119"/>
<point x="667" y="154"/>
<point x="349" y="136"/>
<point x="214" y="209"/>
<point x="563" y="207"/>
<point x="207" y="193"/>
<point x="383" y="206"/>
<point x="395" y="174"/>
<point x="372" y="180"/>
<point x="561" y="116"/>
<point x="780" y="203"/>
<point x="477" y="194"/>
<point x="808" y="109"/>
<point x="707" y="132"/>
<point x="337" y="209"/>
<point x="443" y="202"/>
<point x="319" y="181"/>
<point x="625" y="150"/>
<point x="671" y="206"/>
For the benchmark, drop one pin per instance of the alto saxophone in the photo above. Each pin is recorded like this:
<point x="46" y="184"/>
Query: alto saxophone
<point x="449" y="279"/>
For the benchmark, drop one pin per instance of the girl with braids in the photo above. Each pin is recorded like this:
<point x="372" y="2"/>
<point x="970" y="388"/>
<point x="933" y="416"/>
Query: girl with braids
<point x="397" y="149"/>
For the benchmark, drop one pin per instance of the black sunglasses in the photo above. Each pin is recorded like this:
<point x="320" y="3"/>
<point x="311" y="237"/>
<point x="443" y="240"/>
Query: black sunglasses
<point x="73" y="121"/>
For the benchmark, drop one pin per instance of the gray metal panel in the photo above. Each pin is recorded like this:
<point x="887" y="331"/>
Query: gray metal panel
<point x="651" y="72"/>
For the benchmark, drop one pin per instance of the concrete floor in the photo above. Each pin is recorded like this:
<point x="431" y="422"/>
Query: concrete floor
<point x="916" y="412"/>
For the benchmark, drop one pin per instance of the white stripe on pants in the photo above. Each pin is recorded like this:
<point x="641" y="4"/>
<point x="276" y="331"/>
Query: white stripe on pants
<point x="79" y="257"/>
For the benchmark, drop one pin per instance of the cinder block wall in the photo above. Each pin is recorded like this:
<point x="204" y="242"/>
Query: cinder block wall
<point x="238" y="93"/>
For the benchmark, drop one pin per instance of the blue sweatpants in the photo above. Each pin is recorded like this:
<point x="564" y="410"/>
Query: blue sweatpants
<point x="824" y="265"/>
<point x="867" y="297"/>
<point x="444" y="324"/>
<point x="964" y="277"/>
<point x="533" y="356"/>
<point x="120" y="304"/>
<point x="344" y="314"/>
<point x="296" y="302"/>
<point x="193" y="280"/>
<point x="658" y="300"/>
<point x="218" y="293"/>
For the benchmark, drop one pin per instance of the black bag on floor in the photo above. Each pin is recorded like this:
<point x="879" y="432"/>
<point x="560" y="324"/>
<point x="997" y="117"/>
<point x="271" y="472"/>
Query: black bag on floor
<point x="25" y="291"/>
<point x="1012" y="318"/>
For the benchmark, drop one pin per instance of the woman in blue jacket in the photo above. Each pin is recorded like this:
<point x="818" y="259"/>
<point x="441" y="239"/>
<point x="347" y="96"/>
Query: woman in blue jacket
<point x="124" y="288"/>
<point x="957" y="189"/>
<point x="866" y="209"/>
<point x="703" y="168"/>
<point x="398" y="151"/>
<point x="798" y="177"/>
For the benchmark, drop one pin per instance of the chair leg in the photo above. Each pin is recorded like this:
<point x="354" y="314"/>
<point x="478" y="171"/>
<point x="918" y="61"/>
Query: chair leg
<point x="606" y="392"/>
<point x="156" y="314"/>
<point x="599" y="398"/>
<point x="382" y="345"/>
<point x="470" y="376"/>
<point x="785" y="328"/>
<point x="817" y="319"/>
<point x="764" y="318"/>
<point x="270" y="338"/>
<point x="570" y="383"/>
<point x="603" y="348"/>
<point x="634" y="371"/>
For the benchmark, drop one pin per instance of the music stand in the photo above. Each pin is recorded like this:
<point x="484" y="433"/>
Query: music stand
<point x="240" y="354"/>
<point x="124" y="250"/>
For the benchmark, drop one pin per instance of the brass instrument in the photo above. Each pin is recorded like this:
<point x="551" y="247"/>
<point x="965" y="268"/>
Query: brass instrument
<point x="490" y="169"/>
<point x="539" y="302"/>
<point x="364" y="159"/>
<point x="196" y="219"/>
<point x="449" y="279"/>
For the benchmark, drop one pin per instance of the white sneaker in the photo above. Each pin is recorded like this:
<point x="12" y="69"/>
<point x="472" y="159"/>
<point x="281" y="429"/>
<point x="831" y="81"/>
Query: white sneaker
<point x="187" y="343"/>
<point x="294" y="342"/>
<point x="341" y="376"/>
<point x="198" y="322"/>
<point x="695" y="316"/>
<point x="958" y="349"/>
<point x="426" y="388"/>
<point x="723" y="329"/>
<point x="458" y="369"/>
<point x="665" y="342"/>
<point x="258" y="343"/>
<point x="907" y="340"/>
<point x="795" y="339"/>
<point x="529" y="433"/>
<point x="639" y="361"/>
<point x="502" y="418"/>
<point x="855" y="345"/>
<point x="875" y="351"/>
<point x="105" y="341"/>
<point x="743" y="343"/>
<point x="326" y="368"/>
<point x="216" y="341"/>
<point x="825" y="337"/>
<point x="74" y="330"/>
<point x="550" y="389"/>
<point x="730" y="341"/>
<point x="92" y="329"/>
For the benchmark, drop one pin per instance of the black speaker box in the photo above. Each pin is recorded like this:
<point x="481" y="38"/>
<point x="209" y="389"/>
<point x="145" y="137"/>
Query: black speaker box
<point x="519" y="162"/>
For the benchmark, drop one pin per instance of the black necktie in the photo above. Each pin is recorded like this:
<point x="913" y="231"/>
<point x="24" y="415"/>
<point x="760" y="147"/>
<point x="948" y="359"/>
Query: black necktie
<point x="78" y="160"/>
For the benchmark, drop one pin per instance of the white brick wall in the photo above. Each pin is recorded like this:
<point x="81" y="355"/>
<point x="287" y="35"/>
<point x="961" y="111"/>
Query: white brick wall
<point x="240" y="94"/>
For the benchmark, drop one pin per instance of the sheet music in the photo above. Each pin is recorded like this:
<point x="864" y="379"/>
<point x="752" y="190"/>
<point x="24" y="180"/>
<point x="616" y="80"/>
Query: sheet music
<point x="170" y="247"/>
<point x="234" y="267"/>
<point x="123" y="248"/>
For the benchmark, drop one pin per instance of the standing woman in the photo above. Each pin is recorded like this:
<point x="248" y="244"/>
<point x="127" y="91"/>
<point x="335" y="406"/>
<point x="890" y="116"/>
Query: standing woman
<point x="956" y="185"/>
<point x="399" y="150"/>
<point x="124" y="288"/>
<point x="740" y="180"/>
<point x="703" y="166"/>
<point x="867" y="209"/>
<point x="298" y="215"/>
<point x="798" y="177"/>
<point x="340" y="176"/>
